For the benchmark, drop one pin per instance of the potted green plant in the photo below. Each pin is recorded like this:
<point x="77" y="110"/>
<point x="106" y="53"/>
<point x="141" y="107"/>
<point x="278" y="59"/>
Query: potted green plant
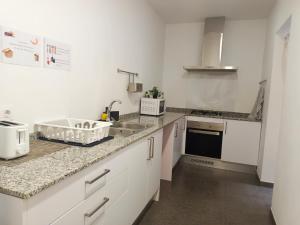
<point x="154" y="93"/>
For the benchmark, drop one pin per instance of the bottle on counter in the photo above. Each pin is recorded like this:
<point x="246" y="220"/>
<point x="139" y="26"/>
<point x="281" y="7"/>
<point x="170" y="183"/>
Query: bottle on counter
<point x="104" y="115"/>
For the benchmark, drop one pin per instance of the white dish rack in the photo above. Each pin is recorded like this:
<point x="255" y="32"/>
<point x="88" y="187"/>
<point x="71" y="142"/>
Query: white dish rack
<point x="73" y="130"/>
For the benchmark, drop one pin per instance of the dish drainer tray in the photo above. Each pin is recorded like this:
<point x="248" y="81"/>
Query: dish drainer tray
<point x="70" y="130"/>
<point x="108" y="138"/>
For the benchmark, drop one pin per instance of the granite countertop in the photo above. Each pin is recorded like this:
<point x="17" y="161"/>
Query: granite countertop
<point x="214" y="114"/>
<point x="31" y="174"/>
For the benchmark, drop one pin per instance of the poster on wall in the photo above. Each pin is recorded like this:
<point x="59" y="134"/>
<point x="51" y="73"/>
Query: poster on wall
<point x="0" y="43"/>
<point x="20" y="48"/>
<point x="57" y="55"/>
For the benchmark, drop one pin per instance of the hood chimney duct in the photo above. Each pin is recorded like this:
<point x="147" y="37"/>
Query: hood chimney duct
<point x="213" y="42"/>
<point x="212" y="47"/>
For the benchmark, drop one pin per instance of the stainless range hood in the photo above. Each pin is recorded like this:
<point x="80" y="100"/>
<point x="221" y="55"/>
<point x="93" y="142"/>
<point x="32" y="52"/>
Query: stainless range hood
<point x="212" y="47"/>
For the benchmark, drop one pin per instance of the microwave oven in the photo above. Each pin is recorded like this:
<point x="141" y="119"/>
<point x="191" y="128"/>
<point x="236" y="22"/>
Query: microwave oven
<point x="153" y="107"/>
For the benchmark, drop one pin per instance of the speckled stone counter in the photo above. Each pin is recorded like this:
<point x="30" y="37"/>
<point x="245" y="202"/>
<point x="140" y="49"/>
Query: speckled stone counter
<point x="35" y="174"/>
<point x="214" y="114"/>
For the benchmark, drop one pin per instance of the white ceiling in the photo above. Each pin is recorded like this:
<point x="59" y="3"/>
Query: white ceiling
<point x="180" y="11"/>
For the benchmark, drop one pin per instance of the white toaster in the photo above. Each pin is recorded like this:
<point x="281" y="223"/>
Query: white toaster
<point x="14" y="139"/>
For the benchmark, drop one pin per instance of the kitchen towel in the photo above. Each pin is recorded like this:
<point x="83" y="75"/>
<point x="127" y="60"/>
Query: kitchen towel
<point x="257" y="110"/>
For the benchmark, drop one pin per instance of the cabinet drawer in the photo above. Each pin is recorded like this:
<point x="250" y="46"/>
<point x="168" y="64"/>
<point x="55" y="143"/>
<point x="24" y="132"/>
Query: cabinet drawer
<point x="96" y="180"/>
<point x="99" y="175"/>
<point x="90" y="211"/>
<point x="47" y="206"/>
<point x="93" y="209"/>
<point x="117" y="186"/>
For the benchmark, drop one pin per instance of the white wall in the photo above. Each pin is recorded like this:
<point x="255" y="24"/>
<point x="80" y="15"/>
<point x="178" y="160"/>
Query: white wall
<point x="275" y="73"/>
<point x="286" y="196"/>
<point x="244" y="43"/>
<point x="104" y="35"/>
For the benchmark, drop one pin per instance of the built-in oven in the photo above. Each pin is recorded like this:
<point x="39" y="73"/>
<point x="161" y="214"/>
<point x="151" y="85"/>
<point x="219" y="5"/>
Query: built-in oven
<point x="204" y="139"/>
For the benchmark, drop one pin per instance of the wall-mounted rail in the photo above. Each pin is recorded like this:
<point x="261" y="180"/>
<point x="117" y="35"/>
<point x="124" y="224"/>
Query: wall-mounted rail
<point x="132" y="86"/>
<point x="127" y="72"/>
<point x="262" y="82"/>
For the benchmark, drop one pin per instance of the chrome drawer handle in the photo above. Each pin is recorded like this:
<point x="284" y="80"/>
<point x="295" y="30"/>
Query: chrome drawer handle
<point x="150" y="149"/>
<point x="105" y="200"/>
<point x="97" y="178"/>
<point x="183" y="128"/>
<point x="176" y="130"/>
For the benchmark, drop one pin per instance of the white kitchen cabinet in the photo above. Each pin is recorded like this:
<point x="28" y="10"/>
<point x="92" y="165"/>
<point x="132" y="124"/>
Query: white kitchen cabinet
<point x="173" y="144"/>
<point x="138" y="180"/>
<point x="54" y="202"/>
<point x="91" y="211"/>
<point x="241" y="142"/>
<point x="111" y="192"/>
<point x="118" y="194"/>
<point x="154" y="164"/>
<point x="179" y="140"/>
<point x="137" y="196"/>
<point x="118" y="213"/>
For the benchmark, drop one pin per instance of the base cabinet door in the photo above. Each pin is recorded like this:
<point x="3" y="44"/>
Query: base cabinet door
<point x="117" y="213"/>
<point x="117" y="192"/>
<point x="173" y="145"/>
<point x="177" y="143"/>
<point x="137" y="181"/>
<point x="179" y="139"/>
<point x="154" y="164"/>
<point x="241" y="142"/>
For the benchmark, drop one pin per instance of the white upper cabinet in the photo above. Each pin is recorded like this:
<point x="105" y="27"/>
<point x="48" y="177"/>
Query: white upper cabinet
<point x="241" y="142"/>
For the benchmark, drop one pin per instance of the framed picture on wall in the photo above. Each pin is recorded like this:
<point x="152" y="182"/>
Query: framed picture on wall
<point x="20" y="48"/>
<point x="57" y="55"/>
<point x="0" y="43"/>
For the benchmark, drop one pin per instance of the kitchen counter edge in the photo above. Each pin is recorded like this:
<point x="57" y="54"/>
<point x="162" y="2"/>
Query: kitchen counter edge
<point x="30" y="178"/>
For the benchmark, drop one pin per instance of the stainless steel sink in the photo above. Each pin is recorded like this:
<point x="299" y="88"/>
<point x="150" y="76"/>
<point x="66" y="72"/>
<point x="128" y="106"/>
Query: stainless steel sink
<point x="127" y="129"/>
<point x="130" y="125"/>
<point x="119" y="131"/>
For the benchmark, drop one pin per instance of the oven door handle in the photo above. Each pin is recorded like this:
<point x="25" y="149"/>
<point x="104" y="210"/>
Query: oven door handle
<point x="216" y="133"/>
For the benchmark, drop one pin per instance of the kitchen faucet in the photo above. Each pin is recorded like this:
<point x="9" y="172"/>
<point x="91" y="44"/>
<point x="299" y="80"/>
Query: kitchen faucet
<point x="110" y="107"/>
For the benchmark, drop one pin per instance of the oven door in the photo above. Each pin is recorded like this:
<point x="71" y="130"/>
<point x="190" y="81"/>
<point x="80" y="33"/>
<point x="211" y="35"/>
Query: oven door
<point x="206" y="143"/>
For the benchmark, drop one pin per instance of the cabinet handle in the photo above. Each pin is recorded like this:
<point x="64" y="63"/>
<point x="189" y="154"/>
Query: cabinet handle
<point x="98" y="177"/>
<point x="183" y="128"/>
<point x="150" y="149"/>
<point x="152" y="155"/>
<point x="105" y="200"/>
<point x="176" y="129"/>
<point x="226" y="127"/>
<point x="216" y="133"/>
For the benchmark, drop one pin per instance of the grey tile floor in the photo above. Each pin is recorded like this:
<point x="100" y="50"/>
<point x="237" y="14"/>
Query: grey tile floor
<point x="205" y="196"/>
